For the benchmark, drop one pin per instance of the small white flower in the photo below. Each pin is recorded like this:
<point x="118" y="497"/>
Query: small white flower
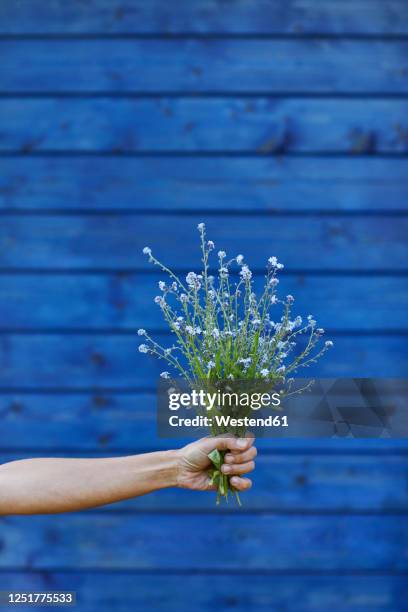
<point x="147" y="251"/>
<point x="165" y="375"/>
<point x="320" y="331"/>
<point x="162" y="285"/>
<point x="246" y="273"/>
<point x="281" y="369"/>
<point x="274" y="299"/>
<point x="230" y="376"/>
<point x="201" y="227"/>
<point x="221" y="254"/>
<point x="190" y="330"/>
<point x="274" y="281"/>
<point x="275" y="264"/>
<point x="245" y="361"/>
<point x="290" y="299"/>
<point x="143" y="348"/>
<point x="159" y="300"/>
<point x="183" y="298"/>
<point x="240" y="259"/>
<point x="193" y="280"/>
<point x="211" y="364"/>
<point x="141" y="332"/>
<point x="210" y="245"/>
<point x="223" y="272"/>
<point x="264" y="372"/>
<point x="215" y="333"/>
<point x="328" y="343"/>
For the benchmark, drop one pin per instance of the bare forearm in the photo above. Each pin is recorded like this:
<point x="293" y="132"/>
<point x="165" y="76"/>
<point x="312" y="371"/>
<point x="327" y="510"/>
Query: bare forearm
<point x="37" y="486"/>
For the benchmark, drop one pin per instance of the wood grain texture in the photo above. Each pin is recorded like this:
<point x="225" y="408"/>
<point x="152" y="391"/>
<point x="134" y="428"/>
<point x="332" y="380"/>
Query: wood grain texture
<point x="216" y="65"/>
<point x="125" y="301"/>
<point x="186" y="183"/>
<point x="325" y="526"/>
<point x="264" y="592"/>
<point x="303" y="593"/>
<point x="282" y="483"/>
<point x="205" y="124"/>
<point x="286" y="484"/>
<point x="115" y="241"/>
<point x="101" y="361"/>
<point x="369" y="447"/>
<point x="148" y="541"/>
<point x="205" y="17"/>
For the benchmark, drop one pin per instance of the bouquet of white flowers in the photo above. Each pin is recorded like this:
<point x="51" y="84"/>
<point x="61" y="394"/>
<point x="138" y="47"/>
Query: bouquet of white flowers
<point x="224" y="331"/>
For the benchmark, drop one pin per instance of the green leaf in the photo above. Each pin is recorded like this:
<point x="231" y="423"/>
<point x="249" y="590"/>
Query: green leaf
<point x="215" y="458"/>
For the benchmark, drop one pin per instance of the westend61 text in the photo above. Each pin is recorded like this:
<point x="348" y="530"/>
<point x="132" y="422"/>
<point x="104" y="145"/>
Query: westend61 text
<point x="206" y="400"/>
<point x="228" y="421"/>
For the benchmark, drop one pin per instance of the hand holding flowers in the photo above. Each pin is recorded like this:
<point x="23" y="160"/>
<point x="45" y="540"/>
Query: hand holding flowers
<point x="224" y="331"/>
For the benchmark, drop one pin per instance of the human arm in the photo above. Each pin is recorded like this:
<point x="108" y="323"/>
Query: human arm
<point x="53" y="485"/>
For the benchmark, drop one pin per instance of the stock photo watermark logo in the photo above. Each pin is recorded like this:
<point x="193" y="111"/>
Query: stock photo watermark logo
<point x="200" y="398"/>
<point x="353" y="407"/>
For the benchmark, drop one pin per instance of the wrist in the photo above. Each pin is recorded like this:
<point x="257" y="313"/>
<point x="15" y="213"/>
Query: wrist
<point x="169" y="468"/>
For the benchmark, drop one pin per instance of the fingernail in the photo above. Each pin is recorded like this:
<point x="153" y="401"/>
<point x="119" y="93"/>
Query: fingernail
<point x="228" y="458"/>
<point x="241" y="443"/>
<point x="226" y="468"/>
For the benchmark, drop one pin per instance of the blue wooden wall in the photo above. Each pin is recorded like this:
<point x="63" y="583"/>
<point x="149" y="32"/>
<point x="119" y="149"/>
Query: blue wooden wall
<point x="284" y="126"/>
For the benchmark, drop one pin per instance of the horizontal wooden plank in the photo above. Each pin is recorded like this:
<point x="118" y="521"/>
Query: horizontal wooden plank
<point x="318" y="66"/>
<point x="267" y="542"/>
<point x="205" y="16"/>
<point x="108" y="361"/>
<point x="259" y="125"/>
<point x="115" y="241"/>
<point x="125" y="301"/>
<point x="266" y="593"/>
<point x="282" y="482"/>
<point x="213" y="184"/>
<point x="124" y="422"/>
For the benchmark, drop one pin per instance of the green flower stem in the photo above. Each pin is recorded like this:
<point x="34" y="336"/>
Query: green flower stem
<point x="220" y="480"/>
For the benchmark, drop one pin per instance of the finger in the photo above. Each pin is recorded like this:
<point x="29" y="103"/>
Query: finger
<point x="225" y="442"/>
<point x="249" y="439"/>
<point x="236" y="457"/>
<point x="238" y="468"/>
<point x="241" y="484"/>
